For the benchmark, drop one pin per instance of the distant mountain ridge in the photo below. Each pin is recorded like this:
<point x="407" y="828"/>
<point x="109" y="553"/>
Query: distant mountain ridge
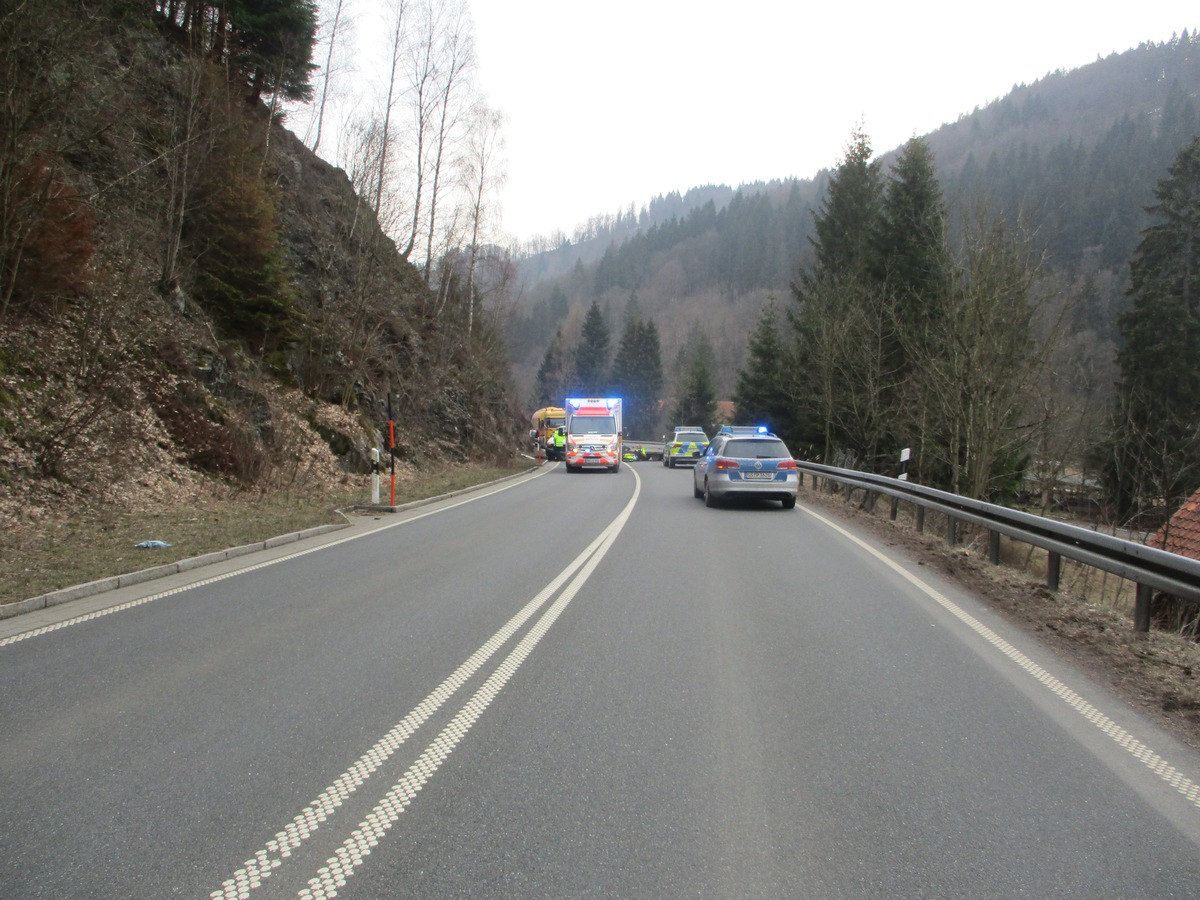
<point x="1076" y="155"/>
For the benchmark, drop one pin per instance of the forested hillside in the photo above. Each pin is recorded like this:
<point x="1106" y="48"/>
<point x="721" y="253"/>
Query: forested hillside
<point x="188" y="295"/>
<point x="1074" y="156"/>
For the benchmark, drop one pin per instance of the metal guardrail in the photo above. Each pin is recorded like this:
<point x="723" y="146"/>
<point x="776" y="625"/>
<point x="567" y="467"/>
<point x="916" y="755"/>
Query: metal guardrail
<point x="1149" y="568"/>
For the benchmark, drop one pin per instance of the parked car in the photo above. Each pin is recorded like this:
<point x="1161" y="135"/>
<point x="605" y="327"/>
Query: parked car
<point x="746" y="462"/>
<point x="680" y="449"/>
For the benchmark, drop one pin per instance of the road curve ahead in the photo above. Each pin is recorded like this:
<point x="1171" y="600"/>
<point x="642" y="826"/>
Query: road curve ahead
<point x="590" y="686"/>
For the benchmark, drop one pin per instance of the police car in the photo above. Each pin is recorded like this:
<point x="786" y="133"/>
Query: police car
<point x="682" y="448"/>
<point x="746" y="462"/>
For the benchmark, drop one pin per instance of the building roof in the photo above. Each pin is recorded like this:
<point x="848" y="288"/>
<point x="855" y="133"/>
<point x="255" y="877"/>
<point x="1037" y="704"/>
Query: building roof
<point x="1182" y="531"/>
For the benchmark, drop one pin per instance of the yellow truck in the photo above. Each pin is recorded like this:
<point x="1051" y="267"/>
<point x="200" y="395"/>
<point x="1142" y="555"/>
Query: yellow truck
<point x="544" y="422"/>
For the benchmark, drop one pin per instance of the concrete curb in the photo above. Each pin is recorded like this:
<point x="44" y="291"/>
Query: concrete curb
<point x="91" y="588"/>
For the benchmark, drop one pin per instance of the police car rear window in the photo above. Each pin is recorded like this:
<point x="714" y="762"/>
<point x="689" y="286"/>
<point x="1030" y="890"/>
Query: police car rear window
<point x="688" y="437"/>
<point x="755" y="449"/>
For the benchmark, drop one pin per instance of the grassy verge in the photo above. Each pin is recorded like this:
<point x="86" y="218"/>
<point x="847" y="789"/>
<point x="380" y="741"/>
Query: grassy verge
<point x="101" y="543"/>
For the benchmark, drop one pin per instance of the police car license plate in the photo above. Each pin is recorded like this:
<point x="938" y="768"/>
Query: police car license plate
<point x="759" y="476"/>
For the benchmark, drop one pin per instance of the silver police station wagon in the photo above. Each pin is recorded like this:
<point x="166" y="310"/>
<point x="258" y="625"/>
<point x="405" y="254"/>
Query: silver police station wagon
<point x="746" y="462"/>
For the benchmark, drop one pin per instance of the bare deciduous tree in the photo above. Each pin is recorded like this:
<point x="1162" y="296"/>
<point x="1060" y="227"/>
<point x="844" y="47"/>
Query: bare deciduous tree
<point x="328" y="73"/>
<point x="449" y="27"/>
<point x="421" y="63"/>
<point x="985" y="361"/>
<point x="481" y="175"/>
<point x="398" y="48"/>
<point x="186" y="137"/>
<point x="824" y="334"/>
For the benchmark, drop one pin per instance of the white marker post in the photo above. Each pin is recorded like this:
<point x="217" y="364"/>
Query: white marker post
<point x="903" y="476"/>
<point x="374" y="476"/>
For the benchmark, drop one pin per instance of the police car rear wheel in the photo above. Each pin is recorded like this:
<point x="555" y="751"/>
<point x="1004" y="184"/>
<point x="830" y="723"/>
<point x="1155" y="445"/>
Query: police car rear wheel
<point x="709" y="500"/>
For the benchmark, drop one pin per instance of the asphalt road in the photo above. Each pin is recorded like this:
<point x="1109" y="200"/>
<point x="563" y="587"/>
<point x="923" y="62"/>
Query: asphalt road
<point x="584" y="686"/>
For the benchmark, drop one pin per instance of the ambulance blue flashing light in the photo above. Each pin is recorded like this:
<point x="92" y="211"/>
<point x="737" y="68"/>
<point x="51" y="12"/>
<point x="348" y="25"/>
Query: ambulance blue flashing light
<point x="577" y="403"/>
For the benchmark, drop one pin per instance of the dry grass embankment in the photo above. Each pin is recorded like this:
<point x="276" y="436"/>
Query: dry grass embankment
<point x="61" y="550"/>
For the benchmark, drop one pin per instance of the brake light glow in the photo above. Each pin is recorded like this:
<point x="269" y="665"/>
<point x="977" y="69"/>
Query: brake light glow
<point x="727" y="464"/>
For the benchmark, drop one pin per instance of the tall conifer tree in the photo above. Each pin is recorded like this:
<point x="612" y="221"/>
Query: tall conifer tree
<point x="1157" y="442"/>
<point x="553" y="376"/>
<point x="591" y="356"/>
<point x="916" y="271"/>
<point x="273" y="42"/>
<point x="842" y="326"/>
<point x="913" y="248"/>
<point x="762" y="394"/>
<point x="637" y="375"/>
<point x="696" y="403"/>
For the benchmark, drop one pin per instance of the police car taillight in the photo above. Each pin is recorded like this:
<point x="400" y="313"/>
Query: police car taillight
<point x="727" y="464"/>
<point x="789" y="464"/>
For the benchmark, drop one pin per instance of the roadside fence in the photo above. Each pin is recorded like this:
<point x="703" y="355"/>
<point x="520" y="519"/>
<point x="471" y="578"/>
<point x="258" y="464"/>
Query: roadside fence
<point x="1149" y="568"/>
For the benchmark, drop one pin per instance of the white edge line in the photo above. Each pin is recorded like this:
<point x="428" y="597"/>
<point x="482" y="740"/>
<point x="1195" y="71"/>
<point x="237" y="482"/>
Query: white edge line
<point x="1143" y="754"/>
<point x="141" y="601"/>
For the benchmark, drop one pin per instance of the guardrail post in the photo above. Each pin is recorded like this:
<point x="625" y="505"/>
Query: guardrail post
<point x="1141" y="609"/>
<point x="1160" y="571"/>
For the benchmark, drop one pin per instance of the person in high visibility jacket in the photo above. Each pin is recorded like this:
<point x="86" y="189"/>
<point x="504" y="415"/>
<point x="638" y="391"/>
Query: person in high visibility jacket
<point x="560" y="442"/>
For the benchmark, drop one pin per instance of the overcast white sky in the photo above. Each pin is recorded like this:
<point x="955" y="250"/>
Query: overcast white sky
<point x="611" y="104"/>
<point x="614" y="103"/>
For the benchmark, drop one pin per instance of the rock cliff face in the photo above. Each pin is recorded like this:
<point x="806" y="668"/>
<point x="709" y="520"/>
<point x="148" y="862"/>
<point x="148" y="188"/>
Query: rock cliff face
<point x="199" y="305"/>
